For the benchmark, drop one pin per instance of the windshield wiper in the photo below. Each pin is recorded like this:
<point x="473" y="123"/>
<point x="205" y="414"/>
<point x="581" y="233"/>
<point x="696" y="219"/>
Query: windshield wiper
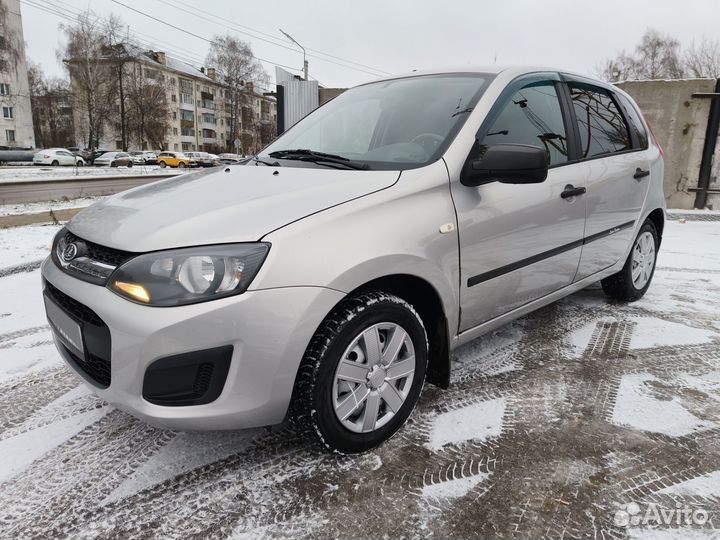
<point x="303" y="154"/>
<point x="463" y="111"/>
<point x="258" y="160"/>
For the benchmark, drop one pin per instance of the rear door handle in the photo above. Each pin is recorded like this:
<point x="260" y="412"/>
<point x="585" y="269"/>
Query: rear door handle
<point x="572" y="191"/>
<point x="640" y="173"/>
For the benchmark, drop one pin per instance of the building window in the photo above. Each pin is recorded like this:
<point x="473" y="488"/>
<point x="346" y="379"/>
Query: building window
<point x="187" y="132"/>
<point x="187" y="98"/>
<point x="175" y="146"/>
<point x="174" y="115"/>
<point x="174" y="98"/>
<point x="174" y="131"/>
<point x="187" y="115"/>
<point x="7" y="112"/>
<point x="10" y="135"/>
<point x="4" y="89"/>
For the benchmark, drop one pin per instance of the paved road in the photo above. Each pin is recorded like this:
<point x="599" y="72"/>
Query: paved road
<point x="561" y="424"/>
<point x="51" y="189"/>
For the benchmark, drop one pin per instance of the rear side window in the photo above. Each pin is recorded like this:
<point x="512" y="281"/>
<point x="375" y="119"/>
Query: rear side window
<point x="602" y="126"/>
<point x="637" y="128"/>
<point x="532" y="115"/>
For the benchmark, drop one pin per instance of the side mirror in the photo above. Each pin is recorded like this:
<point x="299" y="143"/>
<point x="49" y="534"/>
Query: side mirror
<point x="509" y="164"/>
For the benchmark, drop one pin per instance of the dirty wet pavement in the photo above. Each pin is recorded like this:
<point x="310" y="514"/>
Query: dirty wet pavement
<point x="559" y="425"/>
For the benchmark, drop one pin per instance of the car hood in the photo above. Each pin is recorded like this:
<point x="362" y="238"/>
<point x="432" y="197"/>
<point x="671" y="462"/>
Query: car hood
<point x="224" y="205"/>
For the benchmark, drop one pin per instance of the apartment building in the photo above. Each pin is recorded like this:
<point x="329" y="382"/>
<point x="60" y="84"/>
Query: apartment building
<point x="16" y="129"/>
<point x="198" y="109"/>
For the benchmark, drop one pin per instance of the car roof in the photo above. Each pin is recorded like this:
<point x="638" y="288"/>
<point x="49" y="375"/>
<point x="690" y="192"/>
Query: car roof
<point x="514" y="70"/>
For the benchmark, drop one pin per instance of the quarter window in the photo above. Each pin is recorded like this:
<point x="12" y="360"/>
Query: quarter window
<point x="532" y="116"/>
<point x="635" y="122"/>
<point x="602" y="127"/>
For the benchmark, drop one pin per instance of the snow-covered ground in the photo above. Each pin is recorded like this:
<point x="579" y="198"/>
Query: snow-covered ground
<point x="37" y="207"/>
<point x="552" y="424"/>
<point x="25" y="174"/>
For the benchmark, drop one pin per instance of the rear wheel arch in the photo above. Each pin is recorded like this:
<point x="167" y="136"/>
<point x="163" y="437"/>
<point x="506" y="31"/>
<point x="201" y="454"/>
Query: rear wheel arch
<point x="657" y="217"/>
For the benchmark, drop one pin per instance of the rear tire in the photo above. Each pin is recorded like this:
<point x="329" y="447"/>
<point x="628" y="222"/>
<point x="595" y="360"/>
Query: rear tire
<point x="113" y="164"/>
<point x="631" y="283"/>
<point x="55" y="163"/>
<point x="181" y="165"/>
<point x="130" y="164"/>
<point x="80" y="163"/>
<point x="357" y="413"/>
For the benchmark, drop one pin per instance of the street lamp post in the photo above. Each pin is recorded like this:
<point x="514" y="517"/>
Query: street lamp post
<point x="305" y="62"/>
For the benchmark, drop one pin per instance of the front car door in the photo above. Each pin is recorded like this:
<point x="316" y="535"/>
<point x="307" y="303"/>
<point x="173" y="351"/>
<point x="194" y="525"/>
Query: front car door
<point x="520" y="242"/>
<point x="613" y="148"/>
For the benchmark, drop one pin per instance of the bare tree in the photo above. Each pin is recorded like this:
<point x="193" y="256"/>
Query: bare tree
<point x="51" y="109"/>
<point x="84" y="56"/>
<point x="235" y="64"/>
<point x="622" y="68"/>
<point x="657" y="56"/>
<point x="116" y="54"/>
<point x="702" y="59"/>
<point x="11" y="46"/>
<point x="148" y="112"/>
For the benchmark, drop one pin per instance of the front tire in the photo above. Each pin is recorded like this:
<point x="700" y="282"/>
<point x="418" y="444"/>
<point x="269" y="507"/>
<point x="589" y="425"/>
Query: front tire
<point x="631" y="283"/>
<point x="362" y="373"/>
<point x="163" y="164"/>
<point x="181" y="165"/>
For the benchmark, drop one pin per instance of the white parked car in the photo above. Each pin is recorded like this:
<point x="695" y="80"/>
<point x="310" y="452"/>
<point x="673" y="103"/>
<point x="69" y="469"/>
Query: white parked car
<point x="57" y="156"/>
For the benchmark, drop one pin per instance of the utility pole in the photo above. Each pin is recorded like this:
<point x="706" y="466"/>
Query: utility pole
<point x="305" y="62"/>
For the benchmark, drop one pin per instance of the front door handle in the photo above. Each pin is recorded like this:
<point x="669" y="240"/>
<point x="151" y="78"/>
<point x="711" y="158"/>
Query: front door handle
<point x="640" y="173"/>
<point x="572" y="191"/>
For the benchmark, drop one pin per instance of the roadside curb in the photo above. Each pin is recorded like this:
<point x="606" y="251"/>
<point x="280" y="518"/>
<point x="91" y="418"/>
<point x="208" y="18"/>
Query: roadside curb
<point x="51" y="216"/>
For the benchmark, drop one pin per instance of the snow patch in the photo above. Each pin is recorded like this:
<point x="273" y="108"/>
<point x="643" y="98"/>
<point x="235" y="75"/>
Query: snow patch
<point x="480" y="421"/>
<point x="187" y="451"/>
<point x="683" y="533"/>
<point x="452" y="489"/>
<point x="22" y="245"/>
<point x="707" y="485"/>
<point x="17" y="453"/>
<point x="651" y="332"/>
<point x="637" y="407"/>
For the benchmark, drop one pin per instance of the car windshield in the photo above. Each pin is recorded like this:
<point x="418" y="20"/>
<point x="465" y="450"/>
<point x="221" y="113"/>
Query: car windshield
<point x="396" y="124"/>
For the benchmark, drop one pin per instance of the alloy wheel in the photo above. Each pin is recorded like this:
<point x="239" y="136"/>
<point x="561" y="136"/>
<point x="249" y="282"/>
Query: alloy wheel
<point x="643" y="260"/>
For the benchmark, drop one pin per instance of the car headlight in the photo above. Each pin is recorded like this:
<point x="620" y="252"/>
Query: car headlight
<point x="189" y="275"/>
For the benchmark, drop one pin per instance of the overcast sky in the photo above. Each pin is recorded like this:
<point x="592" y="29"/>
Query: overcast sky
<point x="393" y="36"/>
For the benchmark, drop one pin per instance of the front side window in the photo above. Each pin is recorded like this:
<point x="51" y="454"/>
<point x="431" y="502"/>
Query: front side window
<point x="395" y="124"/>
<point x="531" y="116"/>
<point x="602" y="126"/>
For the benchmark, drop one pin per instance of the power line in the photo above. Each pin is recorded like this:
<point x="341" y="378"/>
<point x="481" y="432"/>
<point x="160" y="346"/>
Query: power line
<point x="197" y="36"/>
<point x="182" y="57"/>
<point x="238" y="25"/>
<point x="272" y="39"/>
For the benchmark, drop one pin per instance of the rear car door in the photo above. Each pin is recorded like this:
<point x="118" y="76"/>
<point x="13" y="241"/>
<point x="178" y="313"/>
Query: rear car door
<point x="520" y="242"/>
<point x="617" y="173"/>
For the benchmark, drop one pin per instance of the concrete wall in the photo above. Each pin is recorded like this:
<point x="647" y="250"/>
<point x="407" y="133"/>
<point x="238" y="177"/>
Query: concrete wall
<point x="679" y="122"/>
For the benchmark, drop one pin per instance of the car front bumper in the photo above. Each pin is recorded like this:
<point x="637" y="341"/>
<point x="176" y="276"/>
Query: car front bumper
<point x="268" y="330"/>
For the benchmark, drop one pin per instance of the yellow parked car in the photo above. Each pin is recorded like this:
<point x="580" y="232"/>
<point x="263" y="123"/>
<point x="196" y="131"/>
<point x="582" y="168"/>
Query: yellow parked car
<point x="173" y="159"/>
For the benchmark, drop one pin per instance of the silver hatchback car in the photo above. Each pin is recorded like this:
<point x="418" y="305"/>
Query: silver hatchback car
<point x="330" y="277"/>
